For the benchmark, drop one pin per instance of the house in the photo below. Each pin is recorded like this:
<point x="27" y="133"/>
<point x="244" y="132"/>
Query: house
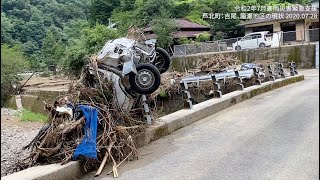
<point x="187" y="29"/>
<point x="296" y="25"/>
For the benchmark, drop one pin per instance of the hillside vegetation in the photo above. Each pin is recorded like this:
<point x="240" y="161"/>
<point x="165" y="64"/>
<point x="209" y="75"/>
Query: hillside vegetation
<point x="65" y="32"/>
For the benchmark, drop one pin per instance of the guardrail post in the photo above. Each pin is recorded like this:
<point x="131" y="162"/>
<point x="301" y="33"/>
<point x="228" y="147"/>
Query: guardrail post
<point x="216" y="87"/>
<point x="239" y="84"/>
<point x="270" y="75"/>
<point x="281" y="71"/>
<point x="276" y="70"/>
<point x="293" y="69"/>
<point x="146" y="108"/>
<point x="184" y="87"/>
<point x="257" y="78"/>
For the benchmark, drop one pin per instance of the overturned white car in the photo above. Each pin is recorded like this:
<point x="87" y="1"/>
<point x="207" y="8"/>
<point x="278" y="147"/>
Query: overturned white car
<point x="132" y="66"/>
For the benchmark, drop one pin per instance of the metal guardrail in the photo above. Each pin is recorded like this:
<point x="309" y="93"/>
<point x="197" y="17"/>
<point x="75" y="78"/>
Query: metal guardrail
<point x="218" y="76"/>
<point x="255" y="73"/>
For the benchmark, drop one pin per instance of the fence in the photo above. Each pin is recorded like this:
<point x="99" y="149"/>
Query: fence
<point x="278" y="39"/>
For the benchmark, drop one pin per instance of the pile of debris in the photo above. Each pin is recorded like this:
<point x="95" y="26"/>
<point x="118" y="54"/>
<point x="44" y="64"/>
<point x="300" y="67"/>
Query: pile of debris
<point x="88" y="125"/>
<point x="220" y="63"/>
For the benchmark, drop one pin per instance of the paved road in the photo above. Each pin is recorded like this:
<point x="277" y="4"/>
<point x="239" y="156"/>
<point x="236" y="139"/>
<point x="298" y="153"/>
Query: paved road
<point x="271" y="136"/>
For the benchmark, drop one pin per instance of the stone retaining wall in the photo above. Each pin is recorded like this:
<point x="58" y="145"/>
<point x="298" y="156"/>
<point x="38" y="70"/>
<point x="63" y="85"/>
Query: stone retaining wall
<point x="303" y="55"/>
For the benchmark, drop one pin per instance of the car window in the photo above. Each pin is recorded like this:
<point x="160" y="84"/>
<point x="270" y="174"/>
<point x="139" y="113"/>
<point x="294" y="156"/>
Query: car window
<point x="268" y="35"/>
<point x="247" y="37"/>
<point x="256" y="36"/>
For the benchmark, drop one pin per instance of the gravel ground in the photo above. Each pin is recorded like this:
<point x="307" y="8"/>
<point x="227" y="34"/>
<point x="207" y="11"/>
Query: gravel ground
<point x="14" y="135"/>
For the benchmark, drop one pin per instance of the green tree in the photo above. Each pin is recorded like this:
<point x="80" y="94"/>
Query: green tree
<point x="6" y="29"/>
<point x="124" y="20"/>
<point x="127" y="5"/>
<point x="27" y="22"/>
<point x="152" y="9"/>
<point x="203" y="37"/>
<point x="101" y="10"/>
<point x="181" y="9"/>
<point x="184" y="40"/>
<point x="76" y="57"/>
<point x="163" y="26"/>
<point x="96" y="37"/>
<point x="91" y="40"/>
<point x="49" y="49"/>
<point x="228" y="26"/>
<point x="12" y="62"/>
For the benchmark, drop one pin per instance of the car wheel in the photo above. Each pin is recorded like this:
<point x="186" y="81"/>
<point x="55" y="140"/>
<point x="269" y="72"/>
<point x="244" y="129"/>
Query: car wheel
<point x="238" y="47"/>
<point x="147" y="79"/>
<point x="162" y="61"/>
<point x="262" y="45"/>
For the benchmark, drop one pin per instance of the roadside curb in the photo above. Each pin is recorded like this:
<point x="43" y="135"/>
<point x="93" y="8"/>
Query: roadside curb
<point x="161" y="127"/>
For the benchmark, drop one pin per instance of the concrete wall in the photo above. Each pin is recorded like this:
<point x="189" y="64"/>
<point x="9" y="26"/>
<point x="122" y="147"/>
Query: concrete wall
<point x="34" y="100"/>
<point x="248" y="30"/>
<point x="300" y="28"/>
<point x="276" y="27"/>
<point x="303" y="55"/>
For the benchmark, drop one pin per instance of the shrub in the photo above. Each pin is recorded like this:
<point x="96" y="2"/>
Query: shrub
<point x="203" y="37"/>
<point x="219" y="36"/>
<point x="45" y="74"/>
<point x="12" y="62"/>
<point x="27" y="115"/>
<point x="184" y="40"/>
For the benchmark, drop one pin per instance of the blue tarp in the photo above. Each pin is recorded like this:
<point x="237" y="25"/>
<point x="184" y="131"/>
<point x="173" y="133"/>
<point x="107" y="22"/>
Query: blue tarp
<point x="88" y="145"/>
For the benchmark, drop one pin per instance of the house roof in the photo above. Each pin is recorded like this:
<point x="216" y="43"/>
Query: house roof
<point x="178" y="34"/>
<point x="295" y="13"/>
<point x="184" y="24"/>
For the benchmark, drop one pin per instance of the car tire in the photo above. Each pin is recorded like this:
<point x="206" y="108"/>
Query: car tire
<point x="147" y="80"/>
<point x="238" y="47"/>
<point x="262" y="45"/>
<point x="163" y="60"/>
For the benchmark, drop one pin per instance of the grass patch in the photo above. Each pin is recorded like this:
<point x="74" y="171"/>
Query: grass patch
<point x="27" y="115"/>
<point x="45" y="74"/>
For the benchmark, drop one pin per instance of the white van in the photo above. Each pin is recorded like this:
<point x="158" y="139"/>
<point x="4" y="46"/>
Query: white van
<point x="254" y="40"/>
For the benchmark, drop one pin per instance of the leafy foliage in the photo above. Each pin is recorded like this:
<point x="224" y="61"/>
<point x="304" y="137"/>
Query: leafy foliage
<point x="12" y="62"/>
<point x="152" y="9"/>
<point x="36" y="34"/>
<point x="66" y="33"/>
<point x="27" y="115"/>
<point x="163" y="26"/>
<point x="203" y="37"/>
<point x="91" y="40"/>
<point x="184" y="40"/>
<point x="101" y="10"/>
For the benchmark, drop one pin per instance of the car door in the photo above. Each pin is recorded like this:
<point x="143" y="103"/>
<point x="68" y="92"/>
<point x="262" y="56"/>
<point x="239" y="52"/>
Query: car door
<point x="256" y="40"/>
<point x="246" y="42"/>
